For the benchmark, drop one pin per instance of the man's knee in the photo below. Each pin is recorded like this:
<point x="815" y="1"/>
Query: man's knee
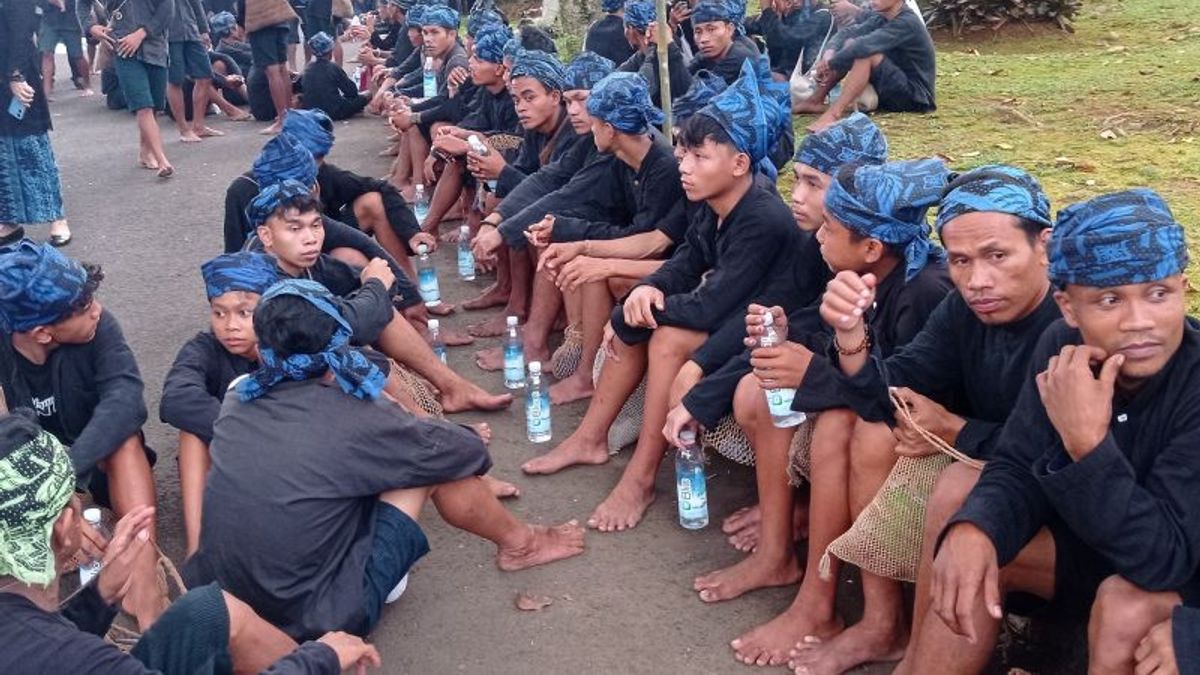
<point x="669" y="342"/>
<point x="1122" y="612"/>
<point x="871" y="444"/>
<point x="873" y="60"/>
<point x="746" y="401"/>
<point x="949" y="493"/>
<point x="369" y="207"/>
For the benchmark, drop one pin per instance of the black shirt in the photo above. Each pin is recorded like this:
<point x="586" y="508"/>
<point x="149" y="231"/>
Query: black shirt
<point x="904" y="41"/>
<point x="40" y="384"/>
<point x="645" y="63"/>
<point x="538" y="150"/>
<point x="327" y="87"/>
<point x="801" y="30"/>
<point x="491" y="113"/>
<point x="729" y="66"/>
<point x="341" y="188"/>
<point x="606" y="37"/>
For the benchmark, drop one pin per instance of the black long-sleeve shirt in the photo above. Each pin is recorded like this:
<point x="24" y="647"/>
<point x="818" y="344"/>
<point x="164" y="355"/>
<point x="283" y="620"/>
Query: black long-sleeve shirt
<point x="645" y="63"/>
<point x="1132" y="500"/>
<point x="443" y="107"/>
<point x="18" y="53"/>
<point x="1185" y="637"/>
<point x="606" y="37"/>
<point x="196" y="384"/>
<point x="152" y="15"/>
<point x="327" y="87"/>
<point x="800" y="31"/>
<point x="491" y="113"/>
<point x="903" y="40"/>
<point x="538" y="150"/>
<point x="341" y="188"/>
<point x="545" y="180"/>
<point x="729" y="66"/>
<point x="577" y="185"/>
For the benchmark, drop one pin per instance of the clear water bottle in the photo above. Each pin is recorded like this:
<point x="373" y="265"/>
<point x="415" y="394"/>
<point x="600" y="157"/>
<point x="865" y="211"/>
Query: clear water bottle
<point x="690" y="483"/>
<point x="427" y="281"/>
<point x="779" y="401"/>
<point x="420" y="204"/>
<point x="480" y="148"/>
<point x="429" y="85"/>
<point x="435" y="338"/>
<point x="835" y="92"/>
<point x="466" y="259"/>
<point x="514" y="355"/>
<point x="88" y="571"/>
<point x="537" y="405"/>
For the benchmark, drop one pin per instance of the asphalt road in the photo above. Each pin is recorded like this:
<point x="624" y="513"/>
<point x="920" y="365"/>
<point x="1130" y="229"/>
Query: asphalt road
<point x="625" y="606"/>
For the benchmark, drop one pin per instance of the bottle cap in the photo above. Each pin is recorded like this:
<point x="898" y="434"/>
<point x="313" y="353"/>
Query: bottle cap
<point x="687" y="436"/>
<point x="420" y="186"/>
<point x="511" y="321"/>
<point x="535" y="367"/>
<point x="464" y="228"/>
<point x="422" y="249"/>
<point x="767" y="318"/>
<point x="93" y="516"/>
<point x="434" y="324"/>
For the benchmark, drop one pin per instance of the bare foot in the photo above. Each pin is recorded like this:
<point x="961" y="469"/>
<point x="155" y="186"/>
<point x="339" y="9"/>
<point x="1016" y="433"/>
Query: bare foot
<point x="771" y="643"/>
<point x="752" y="573"/>
<point x="470" y="397"/>
<point x="241" y="117"/>
<point x="455" y="338"/>
<point x="148" y="163"/>
<point x="450" y="236"/>
<point x="86" y="93"/>
<point x="490" y="360"/>
<point x="166" y="171"/>
<point x="493" y="296"/>
<point x="441" y="309"/>
<point x="189" y="137"/>
<point x="485" y="432"/>
<point x="501" y="489"/>
<point x="623" y="508"/>
<point x="490" y="327"/>
<point x="576" y="387"/>
<point x="744" y="525"/>
<point x="575" y="450"/>
<point x="208" y="132"/>
<point x="272" y="130"/>
<point x="545" y="545"/>
<point x="389" y="152"/>
<point x="858" y="644"/>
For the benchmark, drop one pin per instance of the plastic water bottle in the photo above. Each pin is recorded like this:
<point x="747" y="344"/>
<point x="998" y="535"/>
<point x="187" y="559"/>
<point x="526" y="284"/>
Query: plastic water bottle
<point x="835" y="92"/>
<point x="427" y="281"/>
<point x="514" y="355"/>
<point x="478" y="147"/>
<point x="429" y="79"/>
<point x="435" y="337"/>
<point x="466" y="259"/>
<point x="88" y="571"/>
<point x="421" y="204"/>
<point x="690" y="483"/>
<point x="779" y="401"/>
<point x="537" y="405"/>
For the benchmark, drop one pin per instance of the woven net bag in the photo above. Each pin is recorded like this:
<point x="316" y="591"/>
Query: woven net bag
<point x="800" y="453"/>
<point x="419" y="388"/>
<point x="728" y="440"/>
<point x="565" y="360"/>
<point x="885" y="539"/>
<point x="628" y="425"/>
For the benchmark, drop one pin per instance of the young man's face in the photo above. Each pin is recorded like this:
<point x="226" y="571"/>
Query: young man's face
<point x="536" y="105"/>
<point x="713" y="38"/>
<point x="415" y="37"/>
<point x="1143" y="322"/>
<point x="634" y="37"/>
<point x="998" y="269"/>
<point x="294" y="237"/>
<point x="808" y="197"/>
<point x="886" y="6"/>
<point x="485" y="73"/>
<point x="437" y="40"/>
<point x="577" y="111"/>
<point x="233" y="321"/>
<point x="710" y="169"/>
<point x="844" y="251"/>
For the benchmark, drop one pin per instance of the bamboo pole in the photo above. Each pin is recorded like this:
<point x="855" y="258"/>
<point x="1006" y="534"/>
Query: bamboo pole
<point x="664" y="72"/>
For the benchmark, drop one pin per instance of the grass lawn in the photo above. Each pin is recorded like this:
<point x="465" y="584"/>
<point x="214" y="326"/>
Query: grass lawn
<point x="1112" y="106"/>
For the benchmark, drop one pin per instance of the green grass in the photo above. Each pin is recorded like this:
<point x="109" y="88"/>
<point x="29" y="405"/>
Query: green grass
<point x="1041" y="99"/>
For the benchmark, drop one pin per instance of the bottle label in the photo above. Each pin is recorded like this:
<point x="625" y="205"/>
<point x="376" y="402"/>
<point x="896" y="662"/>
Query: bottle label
<point x="420" y="211"/>
<point x="537" y="412"/>
<point x="466" y="263"/>
<point x="427" y="284"/>
<point x="514" y="363"/>
<point x="429" y="85"/>
<point x="779" y="401"/>
<point x="440" y="351"/>
<point x="693" y="491"/>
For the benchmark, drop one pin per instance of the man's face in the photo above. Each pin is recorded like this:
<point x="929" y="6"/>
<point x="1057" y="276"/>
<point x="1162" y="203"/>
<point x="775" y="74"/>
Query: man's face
<point x="577" y="111"/>
<point x="713" y="38"/>
<point x="886" y="6"/>
<point x="437" y="40"/>
<point x="634" y="37"/>
<point x="415" y="36"/>
<point x="999" y="270"/>
<point x="485" y="73"/>
<point x="808" y="197"/>
<point x="79" y="328"/>
<point x="843" y="251"/>
<point x="294" y="237"/>
<point x="1143" y="322"/>
<point x="535" y="104"/>
<point x="233" y="321"/>
<point x="603" y="134"/>
<point x="710" y="169"/>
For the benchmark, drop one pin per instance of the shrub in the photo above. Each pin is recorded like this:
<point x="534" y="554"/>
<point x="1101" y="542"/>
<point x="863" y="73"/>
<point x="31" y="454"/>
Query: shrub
<point x="970" y="15"/>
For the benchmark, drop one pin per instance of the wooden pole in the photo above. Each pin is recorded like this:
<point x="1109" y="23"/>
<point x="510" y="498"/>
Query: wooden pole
<point x="664" y="72"/>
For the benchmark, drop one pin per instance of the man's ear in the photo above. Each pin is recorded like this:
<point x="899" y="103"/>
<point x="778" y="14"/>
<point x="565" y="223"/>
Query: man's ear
<point x="1064" y="305"/>
<point x="265" y="235"/>
<point x="1043" y="240"/>
<point x="42" y="335"/>
<point x="741" y="164"/>
<point x="875" y="251"/>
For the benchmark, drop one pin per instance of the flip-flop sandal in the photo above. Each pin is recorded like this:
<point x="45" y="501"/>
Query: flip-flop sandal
<point x="60" y="240"/>
<point x="166" y="172"/>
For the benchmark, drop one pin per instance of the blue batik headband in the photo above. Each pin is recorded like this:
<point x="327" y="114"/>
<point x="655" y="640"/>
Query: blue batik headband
<point x="482" y="19"/>
<point x="623" y="100"/>
<point x="440" y="15"/>
<point x="639" y="14"/>
<point x="285" y="158"/>
<point x="539" y="65"/>
<point x="313" y="128"/>
<point x="221" y="25"/>
<point x="39" y="286"/>
<point x="321" y="44"/>
<point x="241" y="271"/>
<point x="753" y="111"/>
<point x="853" y="140"/>
<point x="271" y="197"/>
<point x="490" y="42"/>
<point x="585" y="70"/>
<point x="995" y="189"/>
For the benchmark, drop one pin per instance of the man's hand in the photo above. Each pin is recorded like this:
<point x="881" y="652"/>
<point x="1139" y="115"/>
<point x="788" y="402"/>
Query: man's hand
<point x="930" y="415"/>
<point x="378" y="269"/>
<point x="351" y="651"/>
<point x="538" y="234"/>
<point x="677" y="420"/>
<point x="606" y="343"/>
<point x="103" y="34"/>
<point x="128" y="45"/>
<point x="451" y="145"/>
<point x="755" y="328"/>
<point x="423" y="238"/>
<point x="206" y="41"/>
<point x="583" y="270"/>
<point x="429" y="169"/>
<point x="402" y="119"/>
<point x="556" y="256"/>
<point x="457" y="77"/>
<point x="485" y="167"/>
<point x="1155" y="655"/>
<point x="781" y="367"/>
<point x="652" y="33"/>
<point x="680" y="12"/>
<point x="909" y="442"/>
<point x="1078" y="403"/>
<point x="846" y="301"/>
<point x="844" y="11"/>
<point x="640" y="305"/>
<point x="965" y="574"/>
<point x="486" y="242"/>
<point x="130" y="537"/>
<point x="22" y="92"/>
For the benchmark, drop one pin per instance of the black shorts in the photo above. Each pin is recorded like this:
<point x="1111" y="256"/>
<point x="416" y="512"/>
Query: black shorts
<point x="192" y="636"/>
<point x="897" y="93"/>
<point x="268" y="46"/>
<point x="398" y="544"/>
<point x="632" y="335"/>
<point x="189" y="61"/>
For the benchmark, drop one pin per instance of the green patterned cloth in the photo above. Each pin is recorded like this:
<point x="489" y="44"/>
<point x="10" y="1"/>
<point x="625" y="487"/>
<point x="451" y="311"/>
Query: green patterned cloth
<point x="36" y="481"/>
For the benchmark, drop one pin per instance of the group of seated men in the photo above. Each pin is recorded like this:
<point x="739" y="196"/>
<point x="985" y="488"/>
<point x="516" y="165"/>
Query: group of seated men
<point x="1054" y="352"/>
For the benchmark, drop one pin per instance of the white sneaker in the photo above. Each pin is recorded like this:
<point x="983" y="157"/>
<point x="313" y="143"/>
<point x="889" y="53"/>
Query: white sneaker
<point x="397" y="591"/>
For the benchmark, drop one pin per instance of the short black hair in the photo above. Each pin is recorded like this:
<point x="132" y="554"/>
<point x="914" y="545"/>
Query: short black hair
<point x="697" y="129"/>
<point x="532" y="37"/>
<point x="95" y="274"/>
<point x="289" y="324"/>
<point x="305" y="203"/>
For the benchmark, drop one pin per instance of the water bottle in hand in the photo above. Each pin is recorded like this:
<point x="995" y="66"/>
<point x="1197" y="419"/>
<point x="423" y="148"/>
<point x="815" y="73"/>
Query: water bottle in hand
<point x="95" y="518"/>
<point x="480" y="148"/>
<point x="435" y="339"/>
<point x="691" y="485"/>
<point x="429" y="86"/>
<point x="779" y="401"/>
<point x="427" y="281"/>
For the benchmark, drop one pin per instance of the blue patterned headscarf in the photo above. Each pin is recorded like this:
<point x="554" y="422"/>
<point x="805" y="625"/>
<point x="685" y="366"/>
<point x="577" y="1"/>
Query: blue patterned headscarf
<point x="354" y="373"/>
<point x="611" y="6"/>
<point x="995" y="189"/>
<point x="754" y="112"/>
<point x="716" y="10"/>
<point x="321" y="44"/>
<point x="483" y="18"/>
<point x="623" y="100"/>
<point x="285" y="158"/>
<point x="539" y="65"/>
<point x="513" y="49"/>
<point x="705" y="85"/>
<point x="489" y="43"/>
<point x="221" y="25"/>
<point x="38" y="286"/>
<point x="440" y="15"/>
<point x="312" y="128"/>
<point x="242" y="271"/>
<point x="1122" y="238"/>
<point x="271" y="197"/>
<point x="853" y="140"/>
<point x="888" y="202"/>
<point x="639" y="14"/>
<point x="414" y="17"/>
<point x="585" y="70"/>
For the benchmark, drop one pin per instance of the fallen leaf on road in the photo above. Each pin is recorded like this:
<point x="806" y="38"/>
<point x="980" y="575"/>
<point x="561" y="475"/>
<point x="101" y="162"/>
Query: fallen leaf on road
<point x="533" y="603"/>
